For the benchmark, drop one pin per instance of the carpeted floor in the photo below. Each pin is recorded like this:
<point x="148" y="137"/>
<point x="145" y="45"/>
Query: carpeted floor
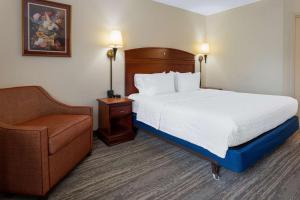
<point x="151" y="168"/>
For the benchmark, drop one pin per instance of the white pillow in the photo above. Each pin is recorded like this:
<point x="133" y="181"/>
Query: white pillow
<point x="139" y="79"/>
<point x="152" y="84"/>
<point x="187" y="81"/>
<point x="175" y="78"/>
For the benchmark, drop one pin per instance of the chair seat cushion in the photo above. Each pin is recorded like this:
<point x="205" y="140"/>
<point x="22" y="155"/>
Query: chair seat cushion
<point x="62" y="129"/>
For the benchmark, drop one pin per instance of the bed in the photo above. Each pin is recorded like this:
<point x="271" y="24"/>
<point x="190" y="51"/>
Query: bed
<point x="203" y="121"/>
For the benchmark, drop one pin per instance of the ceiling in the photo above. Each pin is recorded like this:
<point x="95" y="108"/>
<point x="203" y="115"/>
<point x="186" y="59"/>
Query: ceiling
<point x="206" y="7"/>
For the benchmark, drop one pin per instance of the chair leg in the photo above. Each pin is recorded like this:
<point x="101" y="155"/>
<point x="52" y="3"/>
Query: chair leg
<point x="89" y="154"/>
<point x="215" y="169"/>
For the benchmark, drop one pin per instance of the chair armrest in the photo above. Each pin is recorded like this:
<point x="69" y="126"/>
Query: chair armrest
<point x="75" y="110"/>
<point x="24" y="165"/>
<point x="61" y="108"/>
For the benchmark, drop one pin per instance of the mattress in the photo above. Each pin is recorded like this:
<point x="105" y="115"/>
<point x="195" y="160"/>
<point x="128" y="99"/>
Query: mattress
<point x="214" y="119"/>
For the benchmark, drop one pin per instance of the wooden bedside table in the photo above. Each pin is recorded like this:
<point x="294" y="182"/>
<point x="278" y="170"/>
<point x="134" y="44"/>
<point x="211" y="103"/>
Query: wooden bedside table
<point x="115" y="120"/>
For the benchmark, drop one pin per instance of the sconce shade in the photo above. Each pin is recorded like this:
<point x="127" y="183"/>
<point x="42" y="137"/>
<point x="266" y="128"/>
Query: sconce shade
<point x="205" y="48"/>
<point x="116" y="39"/>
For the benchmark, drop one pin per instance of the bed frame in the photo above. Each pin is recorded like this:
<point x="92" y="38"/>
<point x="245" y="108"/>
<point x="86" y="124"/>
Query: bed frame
<point x="238" y="159"/>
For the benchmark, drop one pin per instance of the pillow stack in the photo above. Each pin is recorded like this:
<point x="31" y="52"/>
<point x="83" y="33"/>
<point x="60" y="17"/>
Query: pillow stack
<point x="164" y="83"/>
<point x="152" y="84"/>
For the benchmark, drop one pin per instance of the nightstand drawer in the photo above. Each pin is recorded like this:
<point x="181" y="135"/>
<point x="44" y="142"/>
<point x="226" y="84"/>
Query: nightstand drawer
<point x="118" y="111"/>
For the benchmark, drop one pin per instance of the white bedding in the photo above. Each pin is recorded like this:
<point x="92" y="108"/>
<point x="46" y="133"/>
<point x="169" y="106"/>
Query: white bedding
<point x="214" y="119"/>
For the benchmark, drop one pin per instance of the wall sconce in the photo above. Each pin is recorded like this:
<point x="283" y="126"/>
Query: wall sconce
<point x="204" y="49"/>
<point x="116" y="41"/>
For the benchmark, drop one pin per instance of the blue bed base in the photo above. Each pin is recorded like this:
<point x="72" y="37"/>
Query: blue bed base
<point x="239" y="158"/>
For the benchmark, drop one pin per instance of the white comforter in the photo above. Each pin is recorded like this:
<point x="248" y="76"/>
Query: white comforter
<point x="213" y="119"/>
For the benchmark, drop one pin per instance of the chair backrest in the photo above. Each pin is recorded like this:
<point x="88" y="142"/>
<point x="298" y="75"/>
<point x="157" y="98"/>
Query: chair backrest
<point x="21" y="104"/>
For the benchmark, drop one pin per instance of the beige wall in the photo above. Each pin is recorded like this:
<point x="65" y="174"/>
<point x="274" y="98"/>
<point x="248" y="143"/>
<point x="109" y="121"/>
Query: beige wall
<point x="85" y="77"/>
<point x="291" y="10"/>
<point x="297" y="59"/>
<point x="247" y="48"/>
<point x="253" y="47"/>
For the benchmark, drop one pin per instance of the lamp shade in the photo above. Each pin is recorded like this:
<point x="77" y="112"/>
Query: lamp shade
<point x="116" y="39"/>
<point x="205" y="48"/>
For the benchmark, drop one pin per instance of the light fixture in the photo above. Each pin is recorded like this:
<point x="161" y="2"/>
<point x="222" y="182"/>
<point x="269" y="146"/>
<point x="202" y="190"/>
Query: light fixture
<point x="204" y="50"/>
<point x="116" y="41"/>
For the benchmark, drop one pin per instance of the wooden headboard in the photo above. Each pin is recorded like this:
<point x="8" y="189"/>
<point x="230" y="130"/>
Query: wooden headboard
<point x="155" y="60"/>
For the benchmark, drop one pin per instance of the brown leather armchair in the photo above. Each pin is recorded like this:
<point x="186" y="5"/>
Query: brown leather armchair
<point x="41" y="139"/>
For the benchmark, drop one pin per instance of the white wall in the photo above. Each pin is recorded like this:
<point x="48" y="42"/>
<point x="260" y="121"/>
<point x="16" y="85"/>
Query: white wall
<point x="247" y="48"/>
<point x="84" y="77"/>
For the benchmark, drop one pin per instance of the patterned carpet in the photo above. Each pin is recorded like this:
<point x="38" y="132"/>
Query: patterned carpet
<point x="151" y="168"/>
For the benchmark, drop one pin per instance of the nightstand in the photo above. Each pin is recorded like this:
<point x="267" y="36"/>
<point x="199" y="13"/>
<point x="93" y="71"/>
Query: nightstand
<point x="115" y="120"/>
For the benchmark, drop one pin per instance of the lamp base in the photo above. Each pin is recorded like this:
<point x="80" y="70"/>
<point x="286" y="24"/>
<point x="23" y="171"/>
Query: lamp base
<point x="110" y="94"/>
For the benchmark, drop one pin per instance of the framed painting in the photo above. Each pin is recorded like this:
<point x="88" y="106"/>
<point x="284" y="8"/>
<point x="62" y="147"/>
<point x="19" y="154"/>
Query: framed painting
<point x="46" y="28"/>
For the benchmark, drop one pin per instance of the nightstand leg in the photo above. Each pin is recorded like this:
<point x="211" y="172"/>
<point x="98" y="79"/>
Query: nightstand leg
<point x="89" y="154"/>
<point x="135" y="130"/>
